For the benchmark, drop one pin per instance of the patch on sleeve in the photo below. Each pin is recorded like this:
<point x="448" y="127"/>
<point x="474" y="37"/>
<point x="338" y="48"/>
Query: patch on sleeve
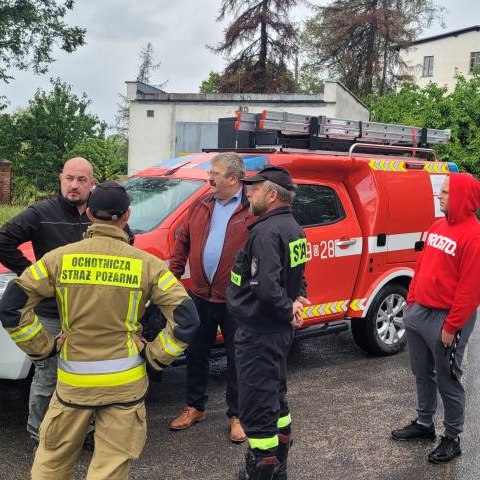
<point x="254" y="266"/>
<point x="298" y="252"/>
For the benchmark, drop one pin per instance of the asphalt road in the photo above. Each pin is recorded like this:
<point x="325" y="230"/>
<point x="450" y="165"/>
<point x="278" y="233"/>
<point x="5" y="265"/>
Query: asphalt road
<point x="344" y="404"/>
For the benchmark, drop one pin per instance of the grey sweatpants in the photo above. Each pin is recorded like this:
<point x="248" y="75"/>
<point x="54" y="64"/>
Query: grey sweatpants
<point x="430" y="363"/>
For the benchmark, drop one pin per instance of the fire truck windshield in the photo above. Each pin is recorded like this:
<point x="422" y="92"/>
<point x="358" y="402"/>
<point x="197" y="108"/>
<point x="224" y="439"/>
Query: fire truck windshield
<point x="155" y="198"/>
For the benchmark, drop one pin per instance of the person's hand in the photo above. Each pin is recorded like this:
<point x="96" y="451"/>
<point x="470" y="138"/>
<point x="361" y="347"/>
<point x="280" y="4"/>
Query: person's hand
<point x="60" y="340"/>
<point x="140" y="342"/>
<point x="297" y="308"/>
<point x="447" y="338"/>
<point x="304" y="301"/>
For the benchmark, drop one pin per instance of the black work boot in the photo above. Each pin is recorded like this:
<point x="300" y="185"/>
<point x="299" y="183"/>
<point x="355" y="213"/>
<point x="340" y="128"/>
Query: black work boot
<point x="285" y="442"/>
<point x="414" y="430"/>
<point x="257" y="467"/>
<point x="446" y="450"/>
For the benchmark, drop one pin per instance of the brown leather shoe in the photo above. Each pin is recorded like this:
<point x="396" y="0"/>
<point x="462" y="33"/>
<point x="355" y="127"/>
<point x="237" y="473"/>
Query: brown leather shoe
<point x="237" y="435"/>
<point x="187" y="418"/>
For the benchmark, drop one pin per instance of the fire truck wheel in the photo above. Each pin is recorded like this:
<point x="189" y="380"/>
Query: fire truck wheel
<point x="382" y="331"/>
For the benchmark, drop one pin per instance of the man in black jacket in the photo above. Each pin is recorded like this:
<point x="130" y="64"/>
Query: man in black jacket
<point x="48" y="224"/>
<point x="265" y="297"/>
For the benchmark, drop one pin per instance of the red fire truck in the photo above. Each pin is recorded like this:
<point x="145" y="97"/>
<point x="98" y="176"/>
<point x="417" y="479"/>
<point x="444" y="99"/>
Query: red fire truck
<point x="366" y="197"/>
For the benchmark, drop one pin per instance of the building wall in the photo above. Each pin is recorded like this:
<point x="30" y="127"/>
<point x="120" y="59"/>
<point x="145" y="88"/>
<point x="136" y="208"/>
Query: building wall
<point x="152" y="139"/>
<point x="451" y="57"/>
<point x="5" y="182"/>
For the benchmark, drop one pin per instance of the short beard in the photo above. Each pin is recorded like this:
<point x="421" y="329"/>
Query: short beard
<point x="77" y="203"/>
<point x="258" y="210"/>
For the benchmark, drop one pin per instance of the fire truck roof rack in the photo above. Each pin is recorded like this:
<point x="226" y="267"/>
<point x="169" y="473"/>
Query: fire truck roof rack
<point x="333" y="134"/>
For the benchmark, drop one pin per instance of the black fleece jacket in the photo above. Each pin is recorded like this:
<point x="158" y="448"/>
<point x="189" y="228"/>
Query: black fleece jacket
<point x="268" y="273"/>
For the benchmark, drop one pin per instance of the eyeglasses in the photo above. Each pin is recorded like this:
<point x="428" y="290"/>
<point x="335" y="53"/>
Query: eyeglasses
<point x="214" y="173"/>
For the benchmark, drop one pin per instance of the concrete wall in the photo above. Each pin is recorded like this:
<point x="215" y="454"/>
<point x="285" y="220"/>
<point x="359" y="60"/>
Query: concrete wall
<point x="153" y="138"/>
<point x="341" y="103"/>
<point x="451" y="57"/>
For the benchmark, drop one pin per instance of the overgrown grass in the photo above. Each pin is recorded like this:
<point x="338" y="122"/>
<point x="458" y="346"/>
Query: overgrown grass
<point x="9" y="211"/>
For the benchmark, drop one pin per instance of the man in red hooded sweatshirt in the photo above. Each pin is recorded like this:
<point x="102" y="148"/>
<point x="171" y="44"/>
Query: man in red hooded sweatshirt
<point x="443" y="298"/>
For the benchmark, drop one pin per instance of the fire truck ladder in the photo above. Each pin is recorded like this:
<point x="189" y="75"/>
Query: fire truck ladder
<point x="325" y="133"/>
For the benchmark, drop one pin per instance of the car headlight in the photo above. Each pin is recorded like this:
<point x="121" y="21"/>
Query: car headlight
<point x="5" y="278"/>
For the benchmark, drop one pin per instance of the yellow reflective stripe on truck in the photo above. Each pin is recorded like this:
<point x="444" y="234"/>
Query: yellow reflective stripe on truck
<point x="399" y="166"/>
<point x="330" y="308"/>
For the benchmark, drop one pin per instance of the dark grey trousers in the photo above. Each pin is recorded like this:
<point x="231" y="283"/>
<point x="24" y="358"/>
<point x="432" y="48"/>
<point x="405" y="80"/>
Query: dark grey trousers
<point x="430" y="363"/>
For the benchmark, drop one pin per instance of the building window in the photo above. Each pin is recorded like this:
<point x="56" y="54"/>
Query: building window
<point x="150" y="113"/>
<point x="427" y="67"/>
<point x="474" y="61"/>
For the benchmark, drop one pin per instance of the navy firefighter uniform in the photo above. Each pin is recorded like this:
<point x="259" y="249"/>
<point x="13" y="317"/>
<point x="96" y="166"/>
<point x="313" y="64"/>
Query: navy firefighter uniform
<point x="267" y="277"/>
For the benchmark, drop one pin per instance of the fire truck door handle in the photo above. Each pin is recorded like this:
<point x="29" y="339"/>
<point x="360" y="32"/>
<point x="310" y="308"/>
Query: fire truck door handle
<point x="345" y="243"/>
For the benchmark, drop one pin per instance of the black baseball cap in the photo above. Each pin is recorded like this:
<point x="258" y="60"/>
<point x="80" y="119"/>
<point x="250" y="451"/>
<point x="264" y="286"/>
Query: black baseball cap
<point x="108" y="201"/>
<point x="275" y="174"/>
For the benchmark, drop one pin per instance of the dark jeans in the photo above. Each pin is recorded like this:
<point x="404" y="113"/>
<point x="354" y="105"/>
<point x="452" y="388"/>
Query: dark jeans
<point x="43" y="384"/>
<point x="212" y="315"/>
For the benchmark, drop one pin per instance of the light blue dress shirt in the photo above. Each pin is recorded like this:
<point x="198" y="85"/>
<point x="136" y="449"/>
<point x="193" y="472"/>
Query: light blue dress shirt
<point x="222" y="211"/>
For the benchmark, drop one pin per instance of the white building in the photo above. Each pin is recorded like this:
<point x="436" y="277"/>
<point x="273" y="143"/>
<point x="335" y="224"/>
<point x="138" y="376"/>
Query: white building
<point x="440" y="58"/>
<point x="163" y="125"/>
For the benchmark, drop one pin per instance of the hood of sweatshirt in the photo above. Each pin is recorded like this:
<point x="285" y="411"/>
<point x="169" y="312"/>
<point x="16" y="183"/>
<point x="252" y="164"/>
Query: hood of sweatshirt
<point x="464" y="197"/>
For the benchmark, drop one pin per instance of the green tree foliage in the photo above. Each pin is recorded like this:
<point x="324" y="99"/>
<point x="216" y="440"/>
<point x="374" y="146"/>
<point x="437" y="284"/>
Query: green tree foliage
<point x="39" y="139"/>
<point x="107" y="155"/>
<point x="433" y="107"/>
<point x="309" y="80"/>
<point x="258" y="42"/>
<point x="29" y="29"/>
<point x="354" y="40"/>
<point x="211" y="84"/>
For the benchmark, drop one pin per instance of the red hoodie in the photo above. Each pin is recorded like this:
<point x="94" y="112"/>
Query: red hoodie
<point x="447" y="274"/>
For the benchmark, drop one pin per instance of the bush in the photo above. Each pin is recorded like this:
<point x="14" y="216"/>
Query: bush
<point x="9" y="211"/>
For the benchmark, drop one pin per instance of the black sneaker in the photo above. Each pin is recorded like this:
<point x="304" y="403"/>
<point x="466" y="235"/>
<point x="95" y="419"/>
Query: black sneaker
<point x="414" y="430"/>
<point x="446" y="450"/>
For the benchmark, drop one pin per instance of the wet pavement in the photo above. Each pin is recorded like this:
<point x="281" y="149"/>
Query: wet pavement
<point x="344" y="404"/>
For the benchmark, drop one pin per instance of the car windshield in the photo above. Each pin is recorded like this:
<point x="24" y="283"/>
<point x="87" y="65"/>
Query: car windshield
<point x="155" y="198"/>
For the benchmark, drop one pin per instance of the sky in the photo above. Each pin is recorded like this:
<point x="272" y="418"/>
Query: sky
<point x="179" y="31"/>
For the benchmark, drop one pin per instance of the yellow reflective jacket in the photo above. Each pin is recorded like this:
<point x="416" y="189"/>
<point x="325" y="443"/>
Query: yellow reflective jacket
<point x="102" y="285"/>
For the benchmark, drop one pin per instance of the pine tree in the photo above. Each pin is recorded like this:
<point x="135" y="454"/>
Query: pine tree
<point x="259" y="42"/>
<point x="146" y="68"/>
<point x="354" y="40"/>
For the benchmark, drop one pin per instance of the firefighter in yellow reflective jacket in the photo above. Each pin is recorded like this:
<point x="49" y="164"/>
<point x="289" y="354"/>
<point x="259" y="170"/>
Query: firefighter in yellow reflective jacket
<point x="101" y="285"/>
